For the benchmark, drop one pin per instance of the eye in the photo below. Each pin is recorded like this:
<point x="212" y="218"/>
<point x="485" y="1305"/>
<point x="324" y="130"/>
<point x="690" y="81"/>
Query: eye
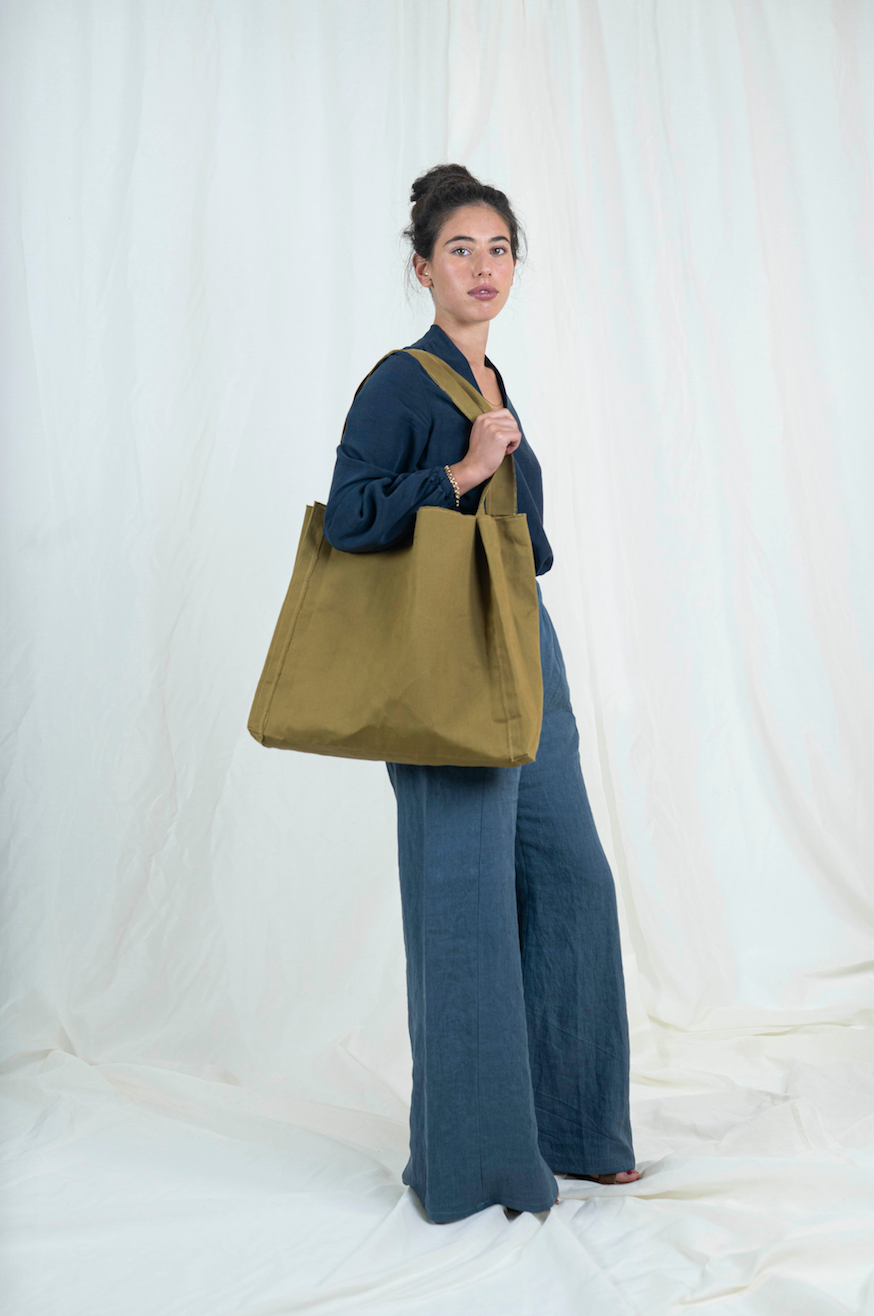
<point x="500" y="250"/>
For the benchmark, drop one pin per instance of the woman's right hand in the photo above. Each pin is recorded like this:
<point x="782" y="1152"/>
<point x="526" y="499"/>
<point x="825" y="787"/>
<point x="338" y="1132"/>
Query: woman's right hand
<point x="492" y="436"/>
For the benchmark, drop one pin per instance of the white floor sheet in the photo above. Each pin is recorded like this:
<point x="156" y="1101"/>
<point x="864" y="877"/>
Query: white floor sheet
<point x="205" y="1067"/>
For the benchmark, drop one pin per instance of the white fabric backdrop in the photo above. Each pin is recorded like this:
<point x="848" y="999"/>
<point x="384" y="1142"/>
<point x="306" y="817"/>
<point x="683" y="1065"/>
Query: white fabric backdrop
<point x="207" y="1067"/>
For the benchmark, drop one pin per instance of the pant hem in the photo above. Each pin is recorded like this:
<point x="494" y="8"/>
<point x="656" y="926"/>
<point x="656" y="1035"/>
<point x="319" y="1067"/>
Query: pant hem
<point x="446" y="1217"/>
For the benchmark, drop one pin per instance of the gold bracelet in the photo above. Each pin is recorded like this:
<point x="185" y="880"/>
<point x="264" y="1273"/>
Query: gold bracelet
<point x="454" y="483"/>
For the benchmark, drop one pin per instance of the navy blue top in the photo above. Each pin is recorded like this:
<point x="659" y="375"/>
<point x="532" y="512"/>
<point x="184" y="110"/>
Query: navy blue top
<point x="401" y="430"/>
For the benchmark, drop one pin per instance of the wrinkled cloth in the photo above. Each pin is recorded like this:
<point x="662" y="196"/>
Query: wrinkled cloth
<point x="206" y="1061"/>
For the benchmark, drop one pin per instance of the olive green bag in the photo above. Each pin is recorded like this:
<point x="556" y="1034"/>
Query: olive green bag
<point x="424" y="653"/>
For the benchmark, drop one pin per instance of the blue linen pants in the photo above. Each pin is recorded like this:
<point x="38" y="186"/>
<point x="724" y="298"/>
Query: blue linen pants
<point x="516" y="998"/>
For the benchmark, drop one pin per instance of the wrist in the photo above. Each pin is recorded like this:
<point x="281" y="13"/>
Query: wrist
<point x="465" y="476"/>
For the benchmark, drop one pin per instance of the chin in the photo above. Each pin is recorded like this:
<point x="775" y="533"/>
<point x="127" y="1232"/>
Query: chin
<point x="487" y="310"/>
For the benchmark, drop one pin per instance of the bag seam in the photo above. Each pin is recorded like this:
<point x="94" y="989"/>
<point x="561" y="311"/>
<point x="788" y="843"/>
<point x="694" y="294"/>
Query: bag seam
<point x="292" y="629"/>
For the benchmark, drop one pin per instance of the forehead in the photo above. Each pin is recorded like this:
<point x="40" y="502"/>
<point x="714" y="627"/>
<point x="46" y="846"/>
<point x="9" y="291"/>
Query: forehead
<point x="480" y="221"/>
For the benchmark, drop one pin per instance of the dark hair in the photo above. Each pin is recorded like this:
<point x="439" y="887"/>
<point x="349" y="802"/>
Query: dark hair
<point x="445" y="188"/>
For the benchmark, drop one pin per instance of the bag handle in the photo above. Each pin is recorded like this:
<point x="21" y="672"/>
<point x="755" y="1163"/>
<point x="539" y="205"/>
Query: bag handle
<point x="499" y="495"/>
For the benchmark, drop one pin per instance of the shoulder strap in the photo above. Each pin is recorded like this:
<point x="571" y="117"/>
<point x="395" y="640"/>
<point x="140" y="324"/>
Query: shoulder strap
<point x="469" y="400"/>
<point x="471" y="403"/>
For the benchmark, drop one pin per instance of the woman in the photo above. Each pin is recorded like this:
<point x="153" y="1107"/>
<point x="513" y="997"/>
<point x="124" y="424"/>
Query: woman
<point x="515" y="990"/>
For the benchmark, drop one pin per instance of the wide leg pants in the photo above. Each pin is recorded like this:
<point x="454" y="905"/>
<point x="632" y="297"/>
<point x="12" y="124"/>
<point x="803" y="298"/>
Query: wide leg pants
<point x="515" y="991"/>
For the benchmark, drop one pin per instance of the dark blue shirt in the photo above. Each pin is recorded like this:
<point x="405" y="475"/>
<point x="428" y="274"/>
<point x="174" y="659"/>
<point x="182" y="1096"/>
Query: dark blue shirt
<point x="401" y="431"/>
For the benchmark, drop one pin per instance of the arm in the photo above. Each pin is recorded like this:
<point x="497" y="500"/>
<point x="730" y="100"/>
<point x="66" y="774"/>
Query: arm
<point x="377" y="490"/>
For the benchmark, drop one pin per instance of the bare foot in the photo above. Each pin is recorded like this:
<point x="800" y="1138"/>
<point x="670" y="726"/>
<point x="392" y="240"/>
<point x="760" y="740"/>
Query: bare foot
<point x="623" y="1176"/>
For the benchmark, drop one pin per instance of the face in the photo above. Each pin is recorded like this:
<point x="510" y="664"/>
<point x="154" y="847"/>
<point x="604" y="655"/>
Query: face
<point x="472" y="250"/>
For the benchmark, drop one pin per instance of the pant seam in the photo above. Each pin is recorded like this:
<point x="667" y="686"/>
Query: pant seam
<point x="520" y="864"/>
<point x="479" y="889"/>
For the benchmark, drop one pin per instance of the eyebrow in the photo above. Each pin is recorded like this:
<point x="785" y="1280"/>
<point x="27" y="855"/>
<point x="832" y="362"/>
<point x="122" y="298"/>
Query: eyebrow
<point x="465" y="237"/>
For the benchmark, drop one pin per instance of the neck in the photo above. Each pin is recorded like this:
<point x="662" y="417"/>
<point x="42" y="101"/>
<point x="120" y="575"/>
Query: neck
<point x="470" y="339"/>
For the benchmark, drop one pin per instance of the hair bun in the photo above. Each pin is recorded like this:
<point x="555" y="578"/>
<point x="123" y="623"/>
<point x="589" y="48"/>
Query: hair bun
<point x="438" y="177"/>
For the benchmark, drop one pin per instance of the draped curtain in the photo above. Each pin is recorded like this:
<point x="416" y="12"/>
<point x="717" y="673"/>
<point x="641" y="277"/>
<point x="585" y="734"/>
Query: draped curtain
<point x="204" y="1036"/>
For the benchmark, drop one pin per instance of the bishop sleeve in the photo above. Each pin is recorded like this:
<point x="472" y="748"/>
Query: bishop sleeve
<point x="381" y="476"/>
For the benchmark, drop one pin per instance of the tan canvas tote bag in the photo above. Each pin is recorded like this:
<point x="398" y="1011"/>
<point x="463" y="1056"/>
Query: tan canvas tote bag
<point x="427" y="653"/>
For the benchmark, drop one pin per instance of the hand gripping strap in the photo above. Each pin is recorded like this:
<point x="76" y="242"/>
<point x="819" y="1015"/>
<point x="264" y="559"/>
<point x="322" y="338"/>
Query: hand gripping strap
<point x="501" y="488"/>
<point x="499" y="495"/>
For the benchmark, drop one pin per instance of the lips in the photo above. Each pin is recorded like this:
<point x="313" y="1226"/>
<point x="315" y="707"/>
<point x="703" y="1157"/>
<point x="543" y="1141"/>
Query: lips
<point x="484" y="293"/>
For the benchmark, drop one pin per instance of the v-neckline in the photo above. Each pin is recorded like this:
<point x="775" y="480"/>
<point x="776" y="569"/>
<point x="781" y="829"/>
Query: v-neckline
<point x="462" y="366"/>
